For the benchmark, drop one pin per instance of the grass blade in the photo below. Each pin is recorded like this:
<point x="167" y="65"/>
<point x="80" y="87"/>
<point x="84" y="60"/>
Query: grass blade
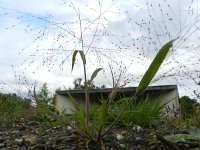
<point x="74" y="58"/>
<point x="78" y="112"/>
<point x="153" y="68"/>
<point x="82" y="57"/>
<point x="102" y="115"/>
<point x="95" y="74"/>
<point x="75" y="104"/>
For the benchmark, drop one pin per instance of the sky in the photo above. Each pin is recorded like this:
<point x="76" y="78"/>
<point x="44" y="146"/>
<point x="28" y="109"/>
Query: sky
<point x="38" y="39"/>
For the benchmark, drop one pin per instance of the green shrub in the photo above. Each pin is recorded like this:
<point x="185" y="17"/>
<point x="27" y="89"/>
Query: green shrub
<point x="195" y="116"/>
<point x="11" y="108"/>
<point x="42" y="113"/>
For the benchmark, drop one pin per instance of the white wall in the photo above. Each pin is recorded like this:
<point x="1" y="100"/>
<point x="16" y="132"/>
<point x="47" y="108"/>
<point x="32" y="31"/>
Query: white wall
<point x="63" y="104"/>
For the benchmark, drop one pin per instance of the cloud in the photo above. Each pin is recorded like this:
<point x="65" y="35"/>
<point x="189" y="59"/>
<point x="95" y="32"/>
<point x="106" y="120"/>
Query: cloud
<point x="126" y="34"/>
<point x="36" y="7"/>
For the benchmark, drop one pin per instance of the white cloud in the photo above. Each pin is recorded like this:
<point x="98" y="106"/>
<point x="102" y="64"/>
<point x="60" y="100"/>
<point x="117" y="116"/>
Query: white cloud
<point x="123" y="36"/>
<point x="37" y="7"/>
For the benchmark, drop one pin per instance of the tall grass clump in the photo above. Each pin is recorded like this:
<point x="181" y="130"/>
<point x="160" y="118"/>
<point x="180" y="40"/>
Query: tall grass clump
<point x="95" y="129"/>
<point x="142" y="112"/>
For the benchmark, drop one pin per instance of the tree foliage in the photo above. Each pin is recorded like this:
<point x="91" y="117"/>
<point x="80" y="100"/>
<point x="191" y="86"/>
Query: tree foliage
<point x="44" y="95"/>
<point x="78" y="84"/>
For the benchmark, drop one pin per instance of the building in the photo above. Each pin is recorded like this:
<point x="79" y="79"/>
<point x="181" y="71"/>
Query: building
<point x="166" y="93"/>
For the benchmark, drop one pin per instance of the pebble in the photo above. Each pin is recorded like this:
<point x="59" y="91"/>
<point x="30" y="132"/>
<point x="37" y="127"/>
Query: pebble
<point x="2" y="145"/>
<point x="69" y="127"/>
<point x="137" y="128"/>
<point x="2" y="140"/>
<point x="19" y="141"/>
<point x="122" y="145"/>
<point x="119" y="137"/>
<point x="15" y="132"/>
<point x="138" y="139"/>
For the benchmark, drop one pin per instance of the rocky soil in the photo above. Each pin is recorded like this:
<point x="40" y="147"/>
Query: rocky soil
<point x="26" y="136"/>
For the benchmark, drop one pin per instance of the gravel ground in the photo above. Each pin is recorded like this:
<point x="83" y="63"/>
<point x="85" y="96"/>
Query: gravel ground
<point x="25" y="136"/>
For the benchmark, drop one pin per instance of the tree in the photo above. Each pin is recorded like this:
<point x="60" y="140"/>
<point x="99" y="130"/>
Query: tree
<point x="78" y="84"/>
<point x="43" y="95"/>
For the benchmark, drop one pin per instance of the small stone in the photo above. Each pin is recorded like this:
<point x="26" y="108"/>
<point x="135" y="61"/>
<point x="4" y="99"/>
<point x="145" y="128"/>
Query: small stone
<point x="15" y="132"/>
<point x="2" y="145"/>
<point x="122" y="145"/>
<point x="15" y="125"/>
<point x="2" y="140"/>
<point x="138" y="139"/>
<point x="69" y="127"/>
<point x="19" y="141"/>
<point x="137" y="128"/>
<point x="119" y="137"/>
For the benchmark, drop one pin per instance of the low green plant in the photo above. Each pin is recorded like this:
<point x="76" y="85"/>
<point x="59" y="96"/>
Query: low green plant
<point x="176" y="123"/>
<point x="97" y="123"/>
<point x="192" y="138"/>
<point x="11" y="108"/>
<point x="188" y="107"/>
<point x="95" y="129"/>
<point x="45" y="111"/>
<point x="42" y="114"/>
<point x="142" y="113"/>
<point x="48" y="125"/>
<point x="194" y="118"/>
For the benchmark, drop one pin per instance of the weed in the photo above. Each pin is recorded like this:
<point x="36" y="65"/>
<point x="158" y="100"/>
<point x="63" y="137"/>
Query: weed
<point x="142" y="113"/>
<point x="95" y="129"/>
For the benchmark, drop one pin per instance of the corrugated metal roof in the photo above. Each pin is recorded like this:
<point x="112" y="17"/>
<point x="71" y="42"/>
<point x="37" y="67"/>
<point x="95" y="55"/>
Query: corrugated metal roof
<point x="125" y="89"/>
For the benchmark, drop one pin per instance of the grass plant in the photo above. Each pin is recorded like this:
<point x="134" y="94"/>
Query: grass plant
<point x="94" y="130"/>
<point x="142" y="113"/>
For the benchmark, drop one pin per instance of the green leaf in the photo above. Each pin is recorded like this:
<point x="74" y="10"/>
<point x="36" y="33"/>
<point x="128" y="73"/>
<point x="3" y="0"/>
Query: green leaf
<point x="83" y="57"/>
<point x="75" y="104"/>
<point x="102" y="115"/>
<point x="78" y="112"/>
<point x="95" y="74"/>
<point x="153" y="68"/>
<point x="81" y="118"/>
<point x="92" y="128"/>
<point x="122" y="100"/>
<point x="74" y="58"/>
<point x="182" y="138"/>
